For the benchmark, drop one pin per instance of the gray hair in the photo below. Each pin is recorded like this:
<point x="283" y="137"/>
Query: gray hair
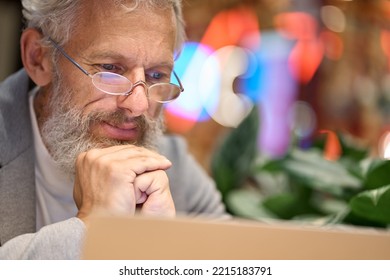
<point x="57" y="18"/>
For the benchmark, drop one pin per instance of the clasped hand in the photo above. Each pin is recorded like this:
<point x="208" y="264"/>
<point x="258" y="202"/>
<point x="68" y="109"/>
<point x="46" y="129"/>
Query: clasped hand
<point x="120" y="178"/>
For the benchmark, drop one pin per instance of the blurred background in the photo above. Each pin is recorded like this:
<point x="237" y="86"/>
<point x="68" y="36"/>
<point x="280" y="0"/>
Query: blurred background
<point x="308" y="66"/>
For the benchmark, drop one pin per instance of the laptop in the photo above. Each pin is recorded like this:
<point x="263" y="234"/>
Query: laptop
<point x="147" y="238"/>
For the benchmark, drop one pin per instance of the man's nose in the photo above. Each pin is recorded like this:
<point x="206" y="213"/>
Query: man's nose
<point x="136" y="102"/>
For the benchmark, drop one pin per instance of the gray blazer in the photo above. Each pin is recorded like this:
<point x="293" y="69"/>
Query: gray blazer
<point x="192" y="189"/>
<point x="17" y="181"/>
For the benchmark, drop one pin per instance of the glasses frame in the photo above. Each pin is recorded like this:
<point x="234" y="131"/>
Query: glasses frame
<point x="180" y="86"/>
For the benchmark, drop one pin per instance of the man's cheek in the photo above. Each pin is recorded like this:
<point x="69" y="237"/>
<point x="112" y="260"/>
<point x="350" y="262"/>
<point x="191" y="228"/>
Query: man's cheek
<point x="155" y="109"/>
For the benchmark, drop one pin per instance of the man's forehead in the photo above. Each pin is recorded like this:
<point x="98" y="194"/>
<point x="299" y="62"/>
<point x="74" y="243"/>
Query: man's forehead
<point x="116" y="33"/>
<point x="96" y="17"/>
<point x="102" y="10"/>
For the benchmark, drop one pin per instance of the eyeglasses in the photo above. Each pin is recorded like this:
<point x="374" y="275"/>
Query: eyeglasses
<point x="116" y="84"/>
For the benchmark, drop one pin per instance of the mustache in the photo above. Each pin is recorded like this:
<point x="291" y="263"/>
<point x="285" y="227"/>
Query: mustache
<point x="115" y="118"/>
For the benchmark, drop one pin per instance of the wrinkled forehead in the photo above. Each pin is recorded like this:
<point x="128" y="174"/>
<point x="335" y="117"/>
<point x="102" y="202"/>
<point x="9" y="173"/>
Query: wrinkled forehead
<point x="106" y="12"/>
<point x="97" y="17"/>
<point x="143" y="35"/>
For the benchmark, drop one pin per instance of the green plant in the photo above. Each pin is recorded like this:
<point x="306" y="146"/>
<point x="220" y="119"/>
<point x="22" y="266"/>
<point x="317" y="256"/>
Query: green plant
<point x="302" y="185"/>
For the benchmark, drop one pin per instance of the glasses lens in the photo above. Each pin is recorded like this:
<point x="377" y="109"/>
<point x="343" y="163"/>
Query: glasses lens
<point x="164" y="92"/>
<point x="111" y="83"/>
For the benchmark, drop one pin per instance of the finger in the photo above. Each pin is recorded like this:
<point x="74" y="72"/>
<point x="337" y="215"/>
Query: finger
<point x="124" y="152"/>
<point x="138" y="159"/>
<point x="152" y="189"/>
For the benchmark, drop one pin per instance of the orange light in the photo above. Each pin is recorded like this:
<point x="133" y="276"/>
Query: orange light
<point x="385" y="43"/>
<point x="297" y="25"/>
<point x="178" y="124"/>
<point x="332" y="149"/>
<point x="231" y="27"/>
<point x="307" y="54"/>
<point x="305" y="59"/>
<point x="333" y="45"/>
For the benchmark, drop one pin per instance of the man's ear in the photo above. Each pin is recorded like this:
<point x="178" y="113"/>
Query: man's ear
<point x="35" y="57"/>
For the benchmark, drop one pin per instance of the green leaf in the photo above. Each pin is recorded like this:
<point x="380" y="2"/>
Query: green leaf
<point x="247" y="203"/>
<point x="352" y="219"/>
<point x="373" y="205"/>
<point x="376" y="173"/>
<point x="350" y="149"/>
<point x="331" y="206"/>
<point x="270" y="165"/>
<point x="288" y="205"/>
<point x="318" y="173"/>
<point x="232" y="161"/>
<point x="225" y="179"/>
<point x="283" y="205"/>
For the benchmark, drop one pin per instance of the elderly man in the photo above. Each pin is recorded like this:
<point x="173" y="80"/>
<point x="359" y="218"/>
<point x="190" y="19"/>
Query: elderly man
<point x="81" y="125"/>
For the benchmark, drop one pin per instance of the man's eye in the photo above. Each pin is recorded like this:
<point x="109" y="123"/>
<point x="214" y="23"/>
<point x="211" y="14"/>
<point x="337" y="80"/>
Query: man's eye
<point x="158" y="76"/>
<point x="108" y="67"/>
